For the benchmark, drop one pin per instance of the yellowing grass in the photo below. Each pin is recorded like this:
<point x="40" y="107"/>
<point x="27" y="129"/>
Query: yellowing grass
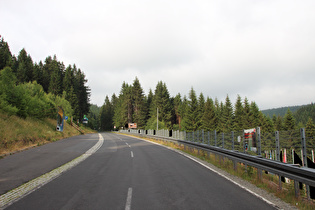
<point x="18" y="134"/>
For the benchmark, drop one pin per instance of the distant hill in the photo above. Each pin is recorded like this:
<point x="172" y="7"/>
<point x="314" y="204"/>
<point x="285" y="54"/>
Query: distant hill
<point x="304" y="113"/>
<point x="301" y="113"/>
<point x="280" y="111"/>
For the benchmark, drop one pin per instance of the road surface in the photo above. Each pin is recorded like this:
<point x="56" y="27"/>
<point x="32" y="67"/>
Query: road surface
<point x="129" y="173"/>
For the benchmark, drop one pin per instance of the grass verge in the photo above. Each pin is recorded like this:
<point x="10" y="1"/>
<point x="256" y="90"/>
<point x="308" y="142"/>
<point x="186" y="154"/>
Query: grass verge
<point x="18" y="134"/>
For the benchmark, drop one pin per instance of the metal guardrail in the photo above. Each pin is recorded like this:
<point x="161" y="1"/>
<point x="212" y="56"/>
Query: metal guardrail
<point x="300" y="174"/>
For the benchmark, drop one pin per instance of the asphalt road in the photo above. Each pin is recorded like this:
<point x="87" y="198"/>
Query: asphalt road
<point x="128" y="173"/>
<point x="24" y="166"/>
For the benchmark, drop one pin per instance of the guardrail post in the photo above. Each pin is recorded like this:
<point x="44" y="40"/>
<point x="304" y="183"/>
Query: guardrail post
<point x="304" y="158"/>
<point x="244" y="149"/>
<point x="258" y="141"/>
<point x="278" y="155"/>
<point x="303" y="144"/>
<point x="259" y="171"/>
<point x="277" y="146"/>
<point x="234" y="162"/>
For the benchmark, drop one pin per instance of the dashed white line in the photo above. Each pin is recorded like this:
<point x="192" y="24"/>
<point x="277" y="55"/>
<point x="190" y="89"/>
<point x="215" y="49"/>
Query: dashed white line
<point x="129" y="197"/>
<point x="131" y="154"/>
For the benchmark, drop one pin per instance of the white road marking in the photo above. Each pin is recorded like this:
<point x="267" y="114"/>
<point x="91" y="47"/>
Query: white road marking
<point x="129" y="196"/>
<point x="217" y="172"/>
<point x="131" y="154"/>
<point x="29" y="187"/>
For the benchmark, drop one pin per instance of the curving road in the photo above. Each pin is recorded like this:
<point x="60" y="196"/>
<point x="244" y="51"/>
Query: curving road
<point x="129" y="173"/>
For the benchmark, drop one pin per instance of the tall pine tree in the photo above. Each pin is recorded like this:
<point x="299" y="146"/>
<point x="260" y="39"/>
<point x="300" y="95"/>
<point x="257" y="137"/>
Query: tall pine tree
<point x="139" y="106"/>
<point x="192" y="121"/>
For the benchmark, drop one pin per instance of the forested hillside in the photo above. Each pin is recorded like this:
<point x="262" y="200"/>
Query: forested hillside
<point x="189" y="113"/>
<point x="305" y="113"/>
<point x="29" y="89"/>
<point x="280" y="111"/>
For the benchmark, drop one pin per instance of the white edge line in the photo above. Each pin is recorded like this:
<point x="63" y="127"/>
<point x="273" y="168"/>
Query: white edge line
<point x="23" y="190"/>
<point x="197" y="161"/>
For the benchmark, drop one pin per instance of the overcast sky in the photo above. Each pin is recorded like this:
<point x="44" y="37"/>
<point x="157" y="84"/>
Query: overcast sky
<point x="260" y="49"/>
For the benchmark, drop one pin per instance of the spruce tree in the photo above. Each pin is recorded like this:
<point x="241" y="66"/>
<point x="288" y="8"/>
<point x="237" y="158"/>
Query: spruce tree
<point x="218" y="113"/>
<point x="239" y="115"/>
<point x="106" y="116"/>
<point x="177" y="105"/>
<point x="209" y="117"/>
<point x="162" y="101"/>
<point x="278" y="124"/>
<point x="255" y="116"/>
<point x="68" y="80"/>
<point x="5" y="55"/>
<point x="25" y="67"/>
<point x="55" y="84"/>
<point x="149" y="102"/>
<point x="38" y="73"/>
<point x="228" y="116"/>
<point x="192" y="121"/>
<point x="247" y="123"/>
<point x="268" y="126"/>
<point x="139" y="106"/>
<point x="182" y="111"/>
<point x="201" y="109"/>
<point x="122" y="109"/>
<point x="310" y="133"/>
<point x="288" y="121"/>
<point x="83" y="93"/>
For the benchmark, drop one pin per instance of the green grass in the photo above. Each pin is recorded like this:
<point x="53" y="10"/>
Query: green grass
<point x="18" y="134"/>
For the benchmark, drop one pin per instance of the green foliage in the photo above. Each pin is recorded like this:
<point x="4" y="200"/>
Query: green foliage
<point x="152" y="124"/>
<point x="94" y="117"/>
<point x="177" y="110"/>
<point x="192" y="118"/>
<point x="7" y="94"/>
<point x="139" y="104"/>
<point x="61" y="101"/>
<point x="162" y="101"/>
<point x="106" y="115"/>
<point x="24" y="86"/>
<point x="25" y="67"/>
<point x="228" y="116"/>
<point x="123" y="107"/>
<point x="304" y="113"/>
<point x="289" y="121"/>
<point x="239" y="114"/>
<point x="5" y="54"/>
<point x="280" y="111"/>
<point x="209" y="117"/>
<point x="190" y="114"/>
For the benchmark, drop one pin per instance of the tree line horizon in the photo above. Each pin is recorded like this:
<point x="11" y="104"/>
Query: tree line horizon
<point x="189" y="113"/>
